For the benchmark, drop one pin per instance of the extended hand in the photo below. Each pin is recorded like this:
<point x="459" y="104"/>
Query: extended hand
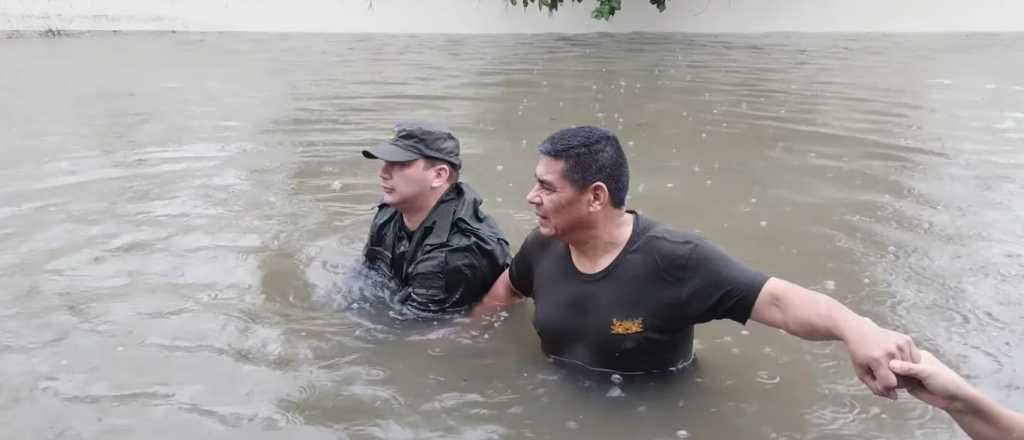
<point x="871" y="348"/>
<point x="935" y="383"/>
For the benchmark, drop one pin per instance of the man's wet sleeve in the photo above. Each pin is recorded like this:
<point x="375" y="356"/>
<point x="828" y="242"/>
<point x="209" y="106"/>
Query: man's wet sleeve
<point x="720" y="287"/>
<point x="471" y="270"/>
<point x="520" y="272"/>
<point x="425" y="294"/>
<point x="452" y="280"/>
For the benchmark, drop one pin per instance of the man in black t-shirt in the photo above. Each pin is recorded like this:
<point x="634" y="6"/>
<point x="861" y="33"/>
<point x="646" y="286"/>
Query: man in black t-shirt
<point x="616" y="291"/>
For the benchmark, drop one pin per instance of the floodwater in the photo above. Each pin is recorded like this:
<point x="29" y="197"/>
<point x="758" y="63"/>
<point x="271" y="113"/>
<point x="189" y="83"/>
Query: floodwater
<point x="178" y="213"/>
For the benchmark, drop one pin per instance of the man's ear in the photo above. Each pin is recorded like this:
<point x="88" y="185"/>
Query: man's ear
<point x="441" y="173"/>
<point x="599" y="197"/>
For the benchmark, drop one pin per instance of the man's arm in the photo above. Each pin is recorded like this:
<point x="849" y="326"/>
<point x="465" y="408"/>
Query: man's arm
<point x="501" y="296"/>
<point x="979" y="416"/>
<point x="814" y="316"/>
<point x="450" y="280"/>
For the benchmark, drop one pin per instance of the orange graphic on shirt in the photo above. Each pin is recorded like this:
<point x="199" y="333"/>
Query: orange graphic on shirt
<point x="627" y="326"/>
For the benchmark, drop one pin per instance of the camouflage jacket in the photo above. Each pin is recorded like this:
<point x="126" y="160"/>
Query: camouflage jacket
<point x="446" y="265"/>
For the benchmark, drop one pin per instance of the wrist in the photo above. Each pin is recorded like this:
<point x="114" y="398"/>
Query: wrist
<point x="851" y="326"/>
<point x="966" y="402"/>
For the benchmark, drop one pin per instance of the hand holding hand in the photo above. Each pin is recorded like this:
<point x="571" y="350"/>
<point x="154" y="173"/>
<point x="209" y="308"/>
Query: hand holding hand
<point x="933" y="382"/>
<point x="871" y="348"/>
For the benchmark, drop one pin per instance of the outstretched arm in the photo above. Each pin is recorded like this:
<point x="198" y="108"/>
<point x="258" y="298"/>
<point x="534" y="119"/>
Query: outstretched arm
<point x="979" y="416"/>
<point x="814" y="316"/>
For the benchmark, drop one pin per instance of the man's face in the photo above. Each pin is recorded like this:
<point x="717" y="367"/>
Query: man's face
<point x="404" y="182"/>
<point x="560" y="208"/>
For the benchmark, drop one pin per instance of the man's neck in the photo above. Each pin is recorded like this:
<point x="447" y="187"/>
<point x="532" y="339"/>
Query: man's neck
<point x="416" y="213"/>
<point x="596" y="247"/>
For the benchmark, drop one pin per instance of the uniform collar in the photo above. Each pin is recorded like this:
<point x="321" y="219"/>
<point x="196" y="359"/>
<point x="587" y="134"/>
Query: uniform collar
<point x="439" y="222"/>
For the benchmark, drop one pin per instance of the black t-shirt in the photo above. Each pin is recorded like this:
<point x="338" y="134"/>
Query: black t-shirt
<point x="637" y="314"/>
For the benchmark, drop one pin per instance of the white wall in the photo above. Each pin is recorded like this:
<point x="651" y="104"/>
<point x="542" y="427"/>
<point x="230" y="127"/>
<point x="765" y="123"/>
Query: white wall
<point x="486" y="16"/>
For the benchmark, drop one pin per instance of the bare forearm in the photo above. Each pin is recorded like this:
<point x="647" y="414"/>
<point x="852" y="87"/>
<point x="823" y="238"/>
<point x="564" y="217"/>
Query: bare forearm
<point x="984" y="419"/>
<point x="807" y="314"/>
<point x="501" y="296"/>
<point x="491" y="305"/>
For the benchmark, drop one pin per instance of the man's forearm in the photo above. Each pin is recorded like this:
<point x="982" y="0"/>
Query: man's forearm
<point x="814" y="316"/>
<point x="500" y="296"/>
<point x="490" y="306"/>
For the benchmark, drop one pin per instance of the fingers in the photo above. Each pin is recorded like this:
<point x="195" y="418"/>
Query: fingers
<point x="865" y="376"/>
<point x="907" y="349"/>
<point x="885" y="380"/>
<point x="915" y="353"/>
<point x="907" y="352"/>
<point x="905" y="368"/>
<point x="927" y="358"/>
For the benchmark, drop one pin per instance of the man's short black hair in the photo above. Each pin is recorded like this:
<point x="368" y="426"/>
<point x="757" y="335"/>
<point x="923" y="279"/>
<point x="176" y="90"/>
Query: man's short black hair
<point x="591" y="155"/>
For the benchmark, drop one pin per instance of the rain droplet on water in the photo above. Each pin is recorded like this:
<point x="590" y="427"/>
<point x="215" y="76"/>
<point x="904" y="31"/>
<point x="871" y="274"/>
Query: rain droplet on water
<point x="768" y="378"/>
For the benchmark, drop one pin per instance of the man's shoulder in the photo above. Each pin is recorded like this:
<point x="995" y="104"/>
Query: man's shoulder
<point x="537" y="244"/>
<point x="470" y="230"/>
<point x="462" y="235"/>
<point x="663" y="241"/>
<point x="383" y="213"/>
<point x="470" y="221"/>
<point x="383" y="218"/>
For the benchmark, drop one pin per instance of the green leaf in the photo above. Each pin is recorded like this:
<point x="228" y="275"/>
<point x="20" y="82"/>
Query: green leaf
<point x="604" y="10"/>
